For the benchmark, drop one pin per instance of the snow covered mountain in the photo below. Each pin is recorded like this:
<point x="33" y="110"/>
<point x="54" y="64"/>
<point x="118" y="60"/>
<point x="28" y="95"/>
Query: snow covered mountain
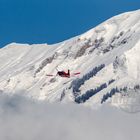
<point x="108" y="57"/>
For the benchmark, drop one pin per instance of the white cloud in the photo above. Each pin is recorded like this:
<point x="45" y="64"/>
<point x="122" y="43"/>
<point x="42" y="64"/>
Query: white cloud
<point x="23" y="119"/>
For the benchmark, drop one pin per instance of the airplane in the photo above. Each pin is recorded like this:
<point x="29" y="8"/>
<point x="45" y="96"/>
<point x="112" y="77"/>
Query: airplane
<point x="64" y="74"/>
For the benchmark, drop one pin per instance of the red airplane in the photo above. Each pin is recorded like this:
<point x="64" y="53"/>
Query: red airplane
<point x="64" y="74"/>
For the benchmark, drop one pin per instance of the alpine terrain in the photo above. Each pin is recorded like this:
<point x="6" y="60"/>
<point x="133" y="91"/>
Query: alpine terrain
<point x="107" y="58"/>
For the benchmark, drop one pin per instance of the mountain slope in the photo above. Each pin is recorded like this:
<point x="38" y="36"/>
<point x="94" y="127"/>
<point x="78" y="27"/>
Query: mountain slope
<point x="107" y="57"/>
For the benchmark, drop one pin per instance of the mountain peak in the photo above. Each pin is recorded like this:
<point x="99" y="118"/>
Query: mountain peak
<point x="107" y="58"/>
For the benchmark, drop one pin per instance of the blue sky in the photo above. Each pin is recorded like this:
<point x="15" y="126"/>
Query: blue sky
<point x="52" y="21"/>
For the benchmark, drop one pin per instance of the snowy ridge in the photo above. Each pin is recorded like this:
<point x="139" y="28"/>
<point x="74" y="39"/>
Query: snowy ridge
<point x="107" y="57"/>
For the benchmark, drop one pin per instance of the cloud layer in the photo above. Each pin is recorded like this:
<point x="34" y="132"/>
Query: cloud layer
<point x="24" y="119"/>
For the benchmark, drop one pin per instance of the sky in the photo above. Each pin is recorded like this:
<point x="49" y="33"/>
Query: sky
<point x="24" y="119"/>
<point x="53" y="21"/>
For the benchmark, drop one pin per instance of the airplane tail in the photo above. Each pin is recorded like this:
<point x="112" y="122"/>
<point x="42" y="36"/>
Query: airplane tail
<point x="68" y="72"/>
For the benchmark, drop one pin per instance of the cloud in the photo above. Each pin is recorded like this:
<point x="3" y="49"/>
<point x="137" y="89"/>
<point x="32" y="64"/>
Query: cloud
<point x="25" y="119"/>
